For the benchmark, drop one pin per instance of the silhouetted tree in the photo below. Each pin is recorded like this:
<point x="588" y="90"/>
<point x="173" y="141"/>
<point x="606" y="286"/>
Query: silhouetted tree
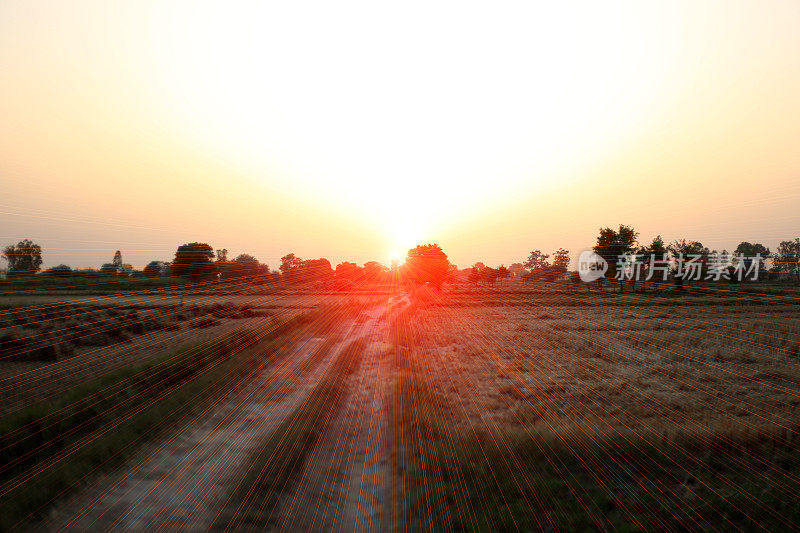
<point x="427" y="264"/>
<point x="24" y="259"/>
<point x="316" y="270"/>
<point x="561" y="261"/>
<point x="266" y="276"/>
<point x="502" y="272"/>
<point x="540" y="268"/>
<point x="787" y="258"/>
<point x="117" y="261"/>
<point x="613" y="243"/>
<point x="349" y="271"/>
<point x="688" y="250"/>
<point x="749" y="251"/>
<point x="517" y="270"/>
<point x="490" y="275"/>
<point x="475" y="273"/>
<point x="193" y="261"/>
<point x="656" y="250"/>
<point x="245" y="268"/>
<point x="374" y="272"/>
<point x="59" y="271"/>
<point x="480" y="273"/>
<point x="537" y="261"/>
<point x="109" y="269"/>
<point x="154" y="269"/>
<point x="298" y="270"/>
<point x="290" y="265"/>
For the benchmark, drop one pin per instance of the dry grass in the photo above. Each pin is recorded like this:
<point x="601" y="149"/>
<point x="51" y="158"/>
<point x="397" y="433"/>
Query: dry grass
<point x="628" y="368"/>
<point x="644" y="415"/>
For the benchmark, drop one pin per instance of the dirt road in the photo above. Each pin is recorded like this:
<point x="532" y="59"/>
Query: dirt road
<point x="182" y="482"/>
<point x="349" y="481"/>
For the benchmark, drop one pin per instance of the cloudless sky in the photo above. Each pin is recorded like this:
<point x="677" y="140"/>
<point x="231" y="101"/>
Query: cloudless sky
<point x="353" y="130"/>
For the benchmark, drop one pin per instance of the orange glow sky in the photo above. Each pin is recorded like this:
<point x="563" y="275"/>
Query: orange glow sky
<point x="355" y="130"/>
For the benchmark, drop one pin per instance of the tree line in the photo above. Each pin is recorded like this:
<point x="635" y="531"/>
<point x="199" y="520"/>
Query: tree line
<point x="200" y="262"/>
<point x="758" y="261"/>
<point x="424" y="264"/>
<point x="612" y="244"/>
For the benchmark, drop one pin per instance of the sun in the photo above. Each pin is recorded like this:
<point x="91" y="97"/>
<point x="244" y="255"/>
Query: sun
<point x="404" y="233"/>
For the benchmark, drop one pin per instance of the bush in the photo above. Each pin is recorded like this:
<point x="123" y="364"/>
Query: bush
<point x="60" y="271"/>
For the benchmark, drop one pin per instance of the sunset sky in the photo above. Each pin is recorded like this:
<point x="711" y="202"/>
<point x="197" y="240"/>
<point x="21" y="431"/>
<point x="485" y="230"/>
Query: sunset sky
<point x="354" y="130"/>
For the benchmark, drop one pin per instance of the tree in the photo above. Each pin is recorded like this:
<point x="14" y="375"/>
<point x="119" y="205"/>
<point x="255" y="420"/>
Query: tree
<point x="427" y="264"/>
<point x="655" y="249"/>
<point x="374" y="272"/>
<point x="299" y="270"/>
<point x="516" y="270"/>
<point x="475" y="273"/>
<point x="537" y="261"/>
<point x="245" y="267"/>
<point x="540" y="268"/>
<point x="154" y="269"/>
<point x="59" y="271"/>
<point x="193" y="261"/>
<point x="688" y="249"/>
<point x="349" y="271"/>
<point x="749" y="251"/>
<point x="108" y="269"/>
<point x="24" y="259"/>
<point x="290" y="265"/>
<point x="481" y="273"/>
<point x="490" y="275"/>
<point x="613" y="243"/>
<point x="315" y="270"/>
<point x="502" y="272"/>
<point x="787" y="259"/>
<point x="222" y="255"/>
<point x="266" y="276"/>
<point x="561" y="261"/>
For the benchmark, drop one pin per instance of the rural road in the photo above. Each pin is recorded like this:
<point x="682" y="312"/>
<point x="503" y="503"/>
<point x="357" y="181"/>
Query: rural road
<point x="181" y="483"/>
<point x="349" y="482"/>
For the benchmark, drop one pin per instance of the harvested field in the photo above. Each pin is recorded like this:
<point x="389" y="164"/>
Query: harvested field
<point x="428" y="409"/>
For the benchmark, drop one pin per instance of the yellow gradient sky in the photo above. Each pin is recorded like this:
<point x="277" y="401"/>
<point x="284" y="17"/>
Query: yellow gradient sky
<point x="353" y="130"/>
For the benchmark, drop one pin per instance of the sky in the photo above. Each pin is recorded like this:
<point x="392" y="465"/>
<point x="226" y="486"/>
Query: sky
<point x="355" y="130"/>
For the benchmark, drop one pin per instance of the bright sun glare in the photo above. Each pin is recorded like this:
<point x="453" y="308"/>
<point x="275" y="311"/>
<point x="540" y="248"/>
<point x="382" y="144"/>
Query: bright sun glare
<point x="410" y="122"/>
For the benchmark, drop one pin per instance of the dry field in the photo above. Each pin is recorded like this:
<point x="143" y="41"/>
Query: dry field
<point x="625" y="413"/>
<point x="462" y="410"/>
<point x="610" y="369"/>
